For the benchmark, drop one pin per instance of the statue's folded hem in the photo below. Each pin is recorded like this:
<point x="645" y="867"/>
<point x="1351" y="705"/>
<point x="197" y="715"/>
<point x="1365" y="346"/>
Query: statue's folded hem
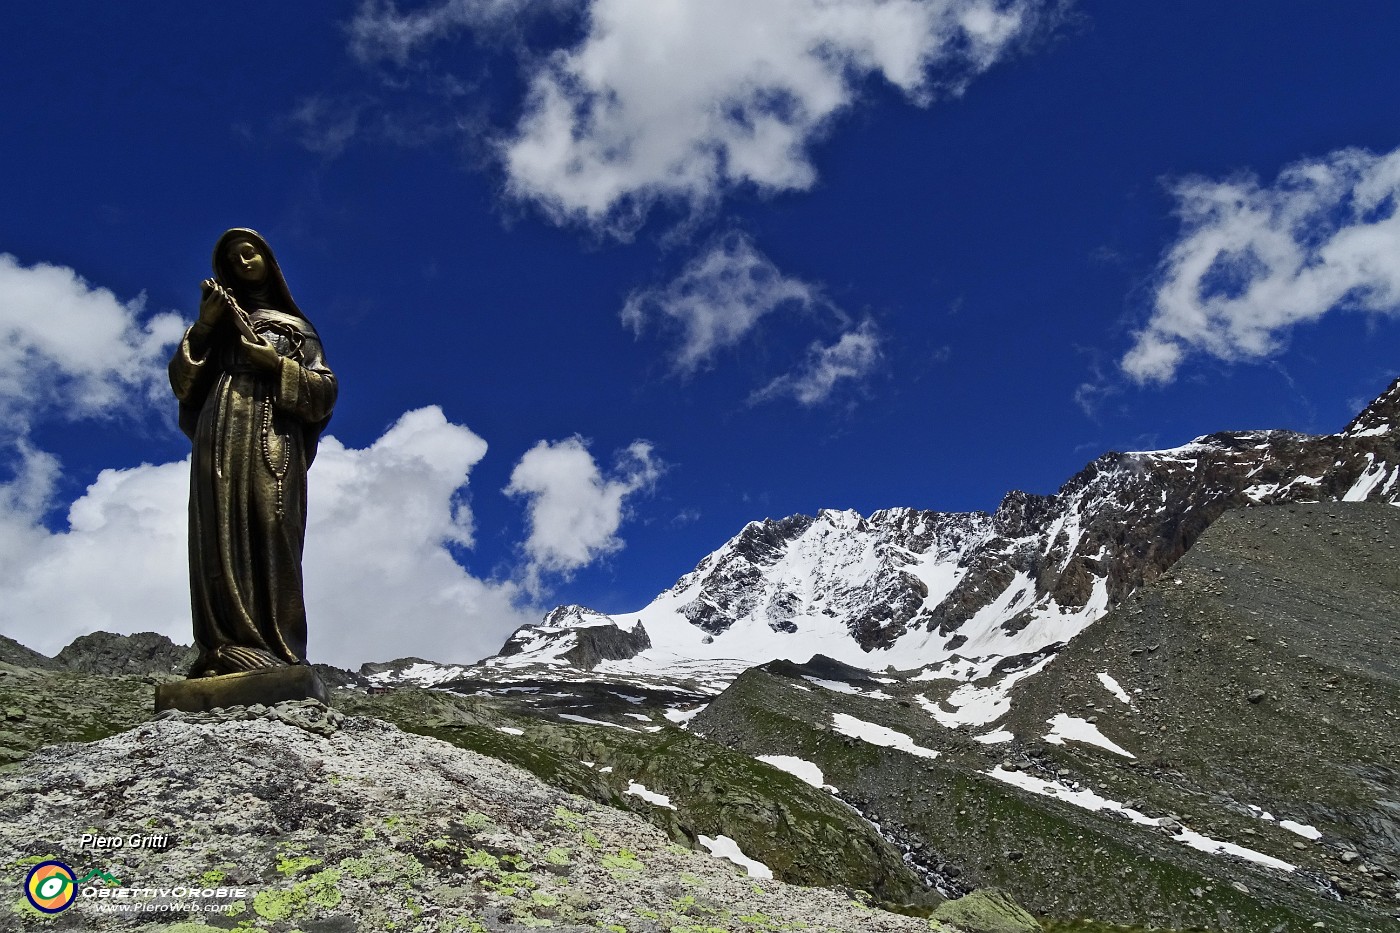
<point x="269" y="686"/>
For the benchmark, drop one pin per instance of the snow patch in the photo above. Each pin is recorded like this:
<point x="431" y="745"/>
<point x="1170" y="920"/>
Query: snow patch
<point x="425" y="674"/>
<point x="979" y="706"/>
<point x="638" y="790"/>
<point x="1372" y="432"/>
<point x="1088" y="800"/>
<point x="878" y="735"/>
<point x="726" y="848"/>
<point x="1112" y="687"/>
<point x="1367" y="482"/>
<point x="680" y="716"/>
<point x="841" y="687"/>
<point x="800" y="768"/>
<point x="1302" y="829"/>
<point x="572" y="717"/>
<point x="1071" y="728"/>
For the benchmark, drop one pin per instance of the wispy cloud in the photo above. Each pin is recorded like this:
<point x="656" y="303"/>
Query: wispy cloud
<point x="852" y="358"/>
<point x="1254" y="261"/>
<point x="722" y="297"/>
<point x="684" y="100"/>
<point x="325" y="126"/>
<point x="717" y="300"/>
<point x="574" y="511"/>
<point x="380" y="31"/>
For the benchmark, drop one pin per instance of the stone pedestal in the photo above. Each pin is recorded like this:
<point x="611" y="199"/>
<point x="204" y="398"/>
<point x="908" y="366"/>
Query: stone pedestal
<point x="270" y="686"/>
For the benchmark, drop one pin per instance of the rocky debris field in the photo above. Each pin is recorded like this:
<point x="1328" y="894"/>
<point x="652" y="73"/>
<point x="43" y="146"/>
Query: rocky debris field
<point x="1261" y="678"/>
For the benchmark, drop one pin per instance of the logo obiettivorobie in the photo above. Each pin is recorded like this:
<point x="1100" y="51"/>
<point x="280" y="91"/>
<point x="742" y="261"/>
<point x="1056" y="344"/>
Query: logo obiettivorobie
<point x="51" y="887"/>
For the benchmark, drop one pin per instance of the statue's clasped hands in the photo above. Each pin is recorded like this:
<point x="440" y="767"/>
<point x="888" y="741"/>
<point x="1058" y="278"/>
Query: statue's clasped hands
<point x="214" y="305"/>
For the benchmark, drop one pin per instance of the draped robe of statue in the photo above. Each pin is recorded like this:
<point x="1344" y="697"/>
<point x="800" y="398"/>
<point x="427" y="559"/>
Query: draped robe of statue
<point x="254" y="434"/>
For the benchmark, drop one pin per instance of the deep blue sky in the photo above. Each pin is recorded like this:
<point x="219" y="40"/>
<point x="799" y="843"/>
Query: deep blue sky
<point x="1005" y="245"/>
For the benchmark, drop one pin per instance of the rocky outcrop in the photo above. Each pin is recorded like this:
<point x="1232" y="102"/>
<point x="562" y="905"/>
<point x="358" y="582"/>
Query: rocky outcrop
<point x="349" y="824"/>
<point x="339" y="677"/>
<point x="371" y="668"/>
<point x="606" y="643"/>
<point x="12" y="652"/>
<point x="579" y="636"/>
<point x="987" y="911"/>
<point x="822" y="668"/>
<point x="141" y="653"/>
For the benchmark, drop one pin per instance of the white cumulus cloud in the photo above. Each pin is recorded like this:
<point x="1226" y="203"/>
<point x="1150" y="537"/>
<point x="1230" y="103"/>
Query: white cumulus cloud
<point x="679" y="100"/>
<point x="380" y="580"/>
<point x="1253" y="261"/>
<point x="718" y="298"/>
<point x="69" y="348"/>
<point x="574" y="510"/>
<point x="852" y="357"/>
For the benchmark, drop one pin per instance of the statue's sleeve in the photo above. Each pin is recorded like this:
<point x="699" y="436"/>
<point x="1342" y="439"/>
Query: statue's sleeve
<point x="190" y="377"/>
<point x="187" y="371"/>
<point x="307" y="389"/>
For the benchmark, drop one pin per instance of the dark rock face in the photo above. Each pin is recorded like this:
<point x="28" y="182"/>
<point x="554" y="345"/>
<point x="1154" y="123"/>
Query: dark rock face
<point x="1117" y="524"/>
<point x="142" y="653"/>
<point x="759" y="545"/>
<point x="339" y="677"/>
<point x="606" y="643"/>
<point x="12" y="652"/>
<point x="822" y="668"/>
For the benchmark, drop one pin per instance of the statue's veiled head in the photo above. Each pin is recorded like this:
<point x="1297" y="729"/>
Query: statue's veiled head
<point x="244" y="263"/>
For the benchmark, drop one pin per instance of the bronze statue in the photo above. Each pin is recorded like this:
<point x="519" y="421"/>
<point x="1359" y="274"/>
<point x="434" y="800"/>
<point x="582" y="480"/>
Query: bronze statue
<point x="255" y="394"/>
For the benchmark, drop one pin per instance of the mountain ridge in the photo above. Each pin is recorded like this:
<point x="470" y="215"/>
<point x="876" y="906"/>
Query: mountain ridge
<point x="907" y="588"/>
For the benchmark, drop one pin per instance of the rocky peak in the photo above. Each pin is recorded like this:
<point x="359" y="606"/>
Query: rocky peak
<point x="371" y="668"/>
<point x="1042" y="565"/>
<point x="12" y="652"/>
<point x="1378" y="418"/>
<point x="576" y="635"/>
<point x="572" y="616"/>
<point x="762" y="542"/>
<point x="906" y="587"/>
<point x="141" y="653"/>
<point x="1021" y="512"/>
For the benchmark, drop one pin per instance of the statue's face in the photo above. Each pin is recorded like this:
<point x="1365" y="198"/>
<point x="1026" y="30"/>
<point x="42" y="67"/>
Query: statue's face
<point x="247" y="263"/>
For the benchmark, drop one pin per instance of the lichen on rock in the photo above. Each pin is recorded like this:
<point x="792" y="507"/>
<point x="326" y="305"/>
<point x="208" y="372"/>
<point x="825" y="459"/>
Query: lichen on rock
<point x="335" y="822"/>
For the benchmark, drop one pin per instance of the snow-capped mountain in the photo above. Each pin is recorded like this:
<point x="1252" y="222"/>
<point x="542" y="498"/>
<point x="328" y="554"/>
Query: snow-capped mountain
<point x="905" y="588"/>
